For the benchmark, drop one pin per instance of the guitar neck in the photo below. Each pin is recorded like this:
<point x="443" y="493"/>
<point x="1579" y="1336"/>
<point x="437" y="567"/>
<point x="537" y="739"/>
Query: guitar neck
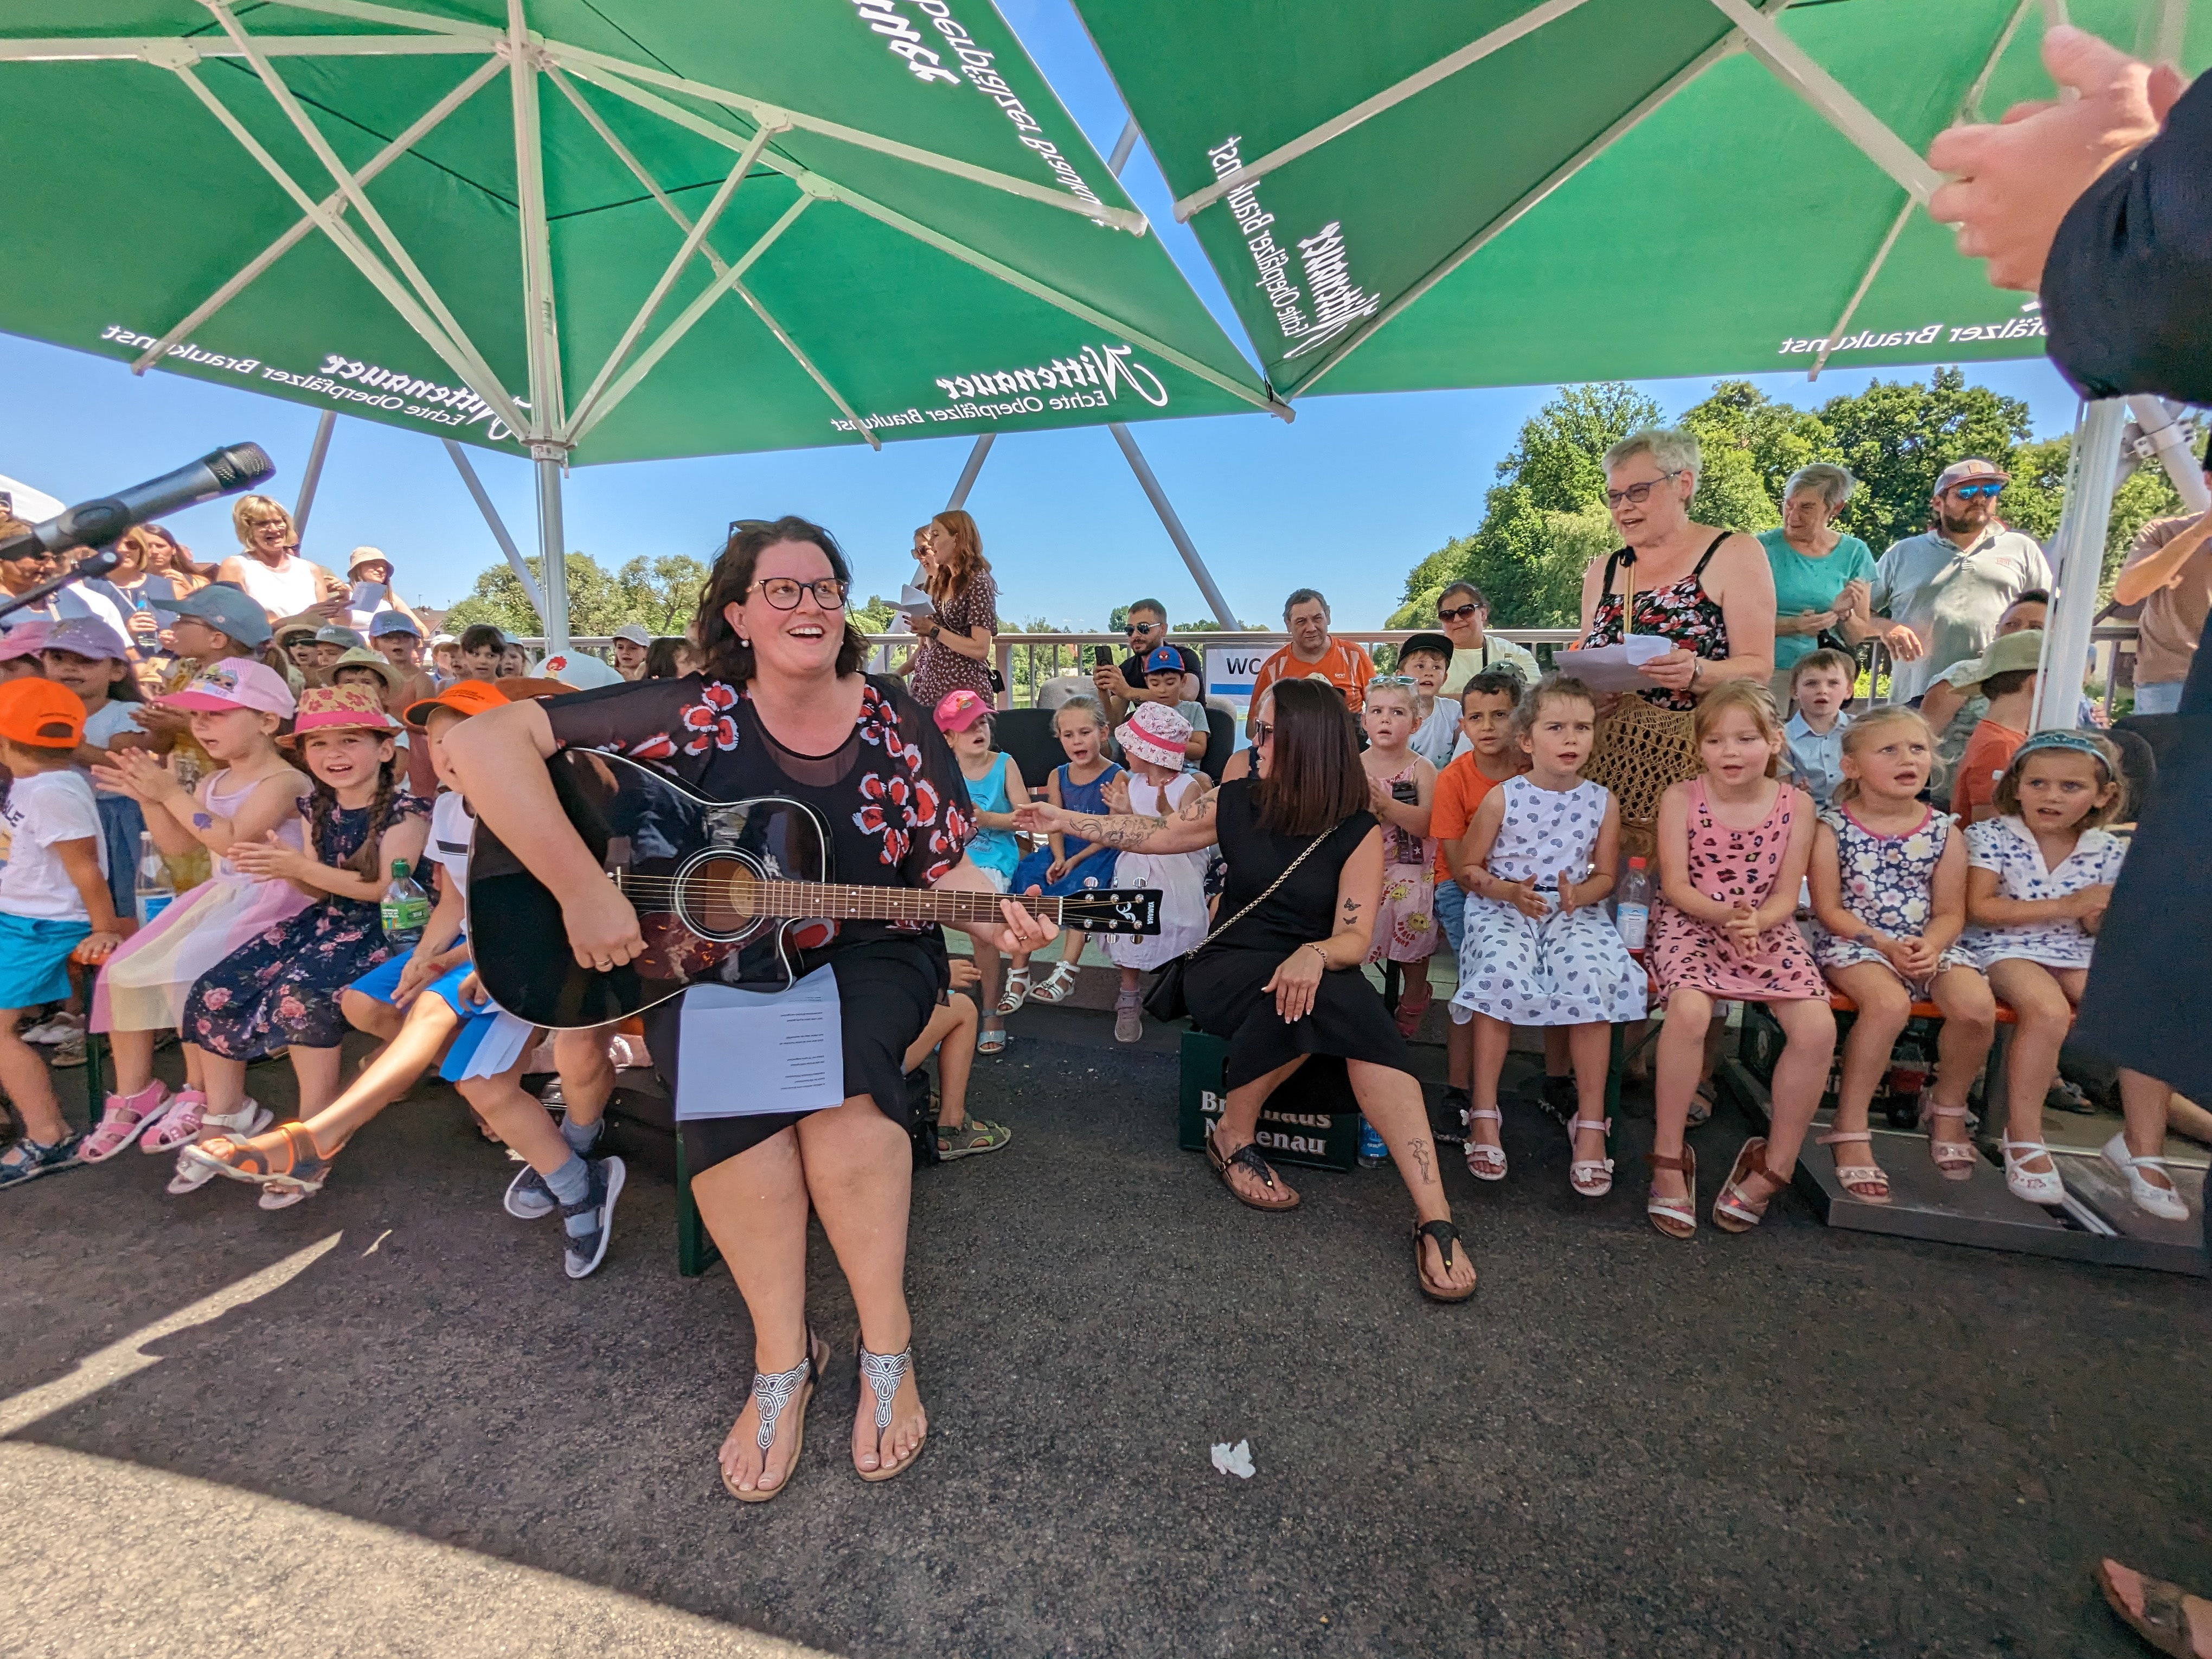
<point x="795" y="900"/>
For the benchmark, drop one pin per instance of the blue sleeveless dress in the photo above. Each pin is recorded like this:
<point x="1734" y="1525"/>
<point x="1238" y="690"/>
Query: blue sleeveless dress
<point x="1097" y="871"/>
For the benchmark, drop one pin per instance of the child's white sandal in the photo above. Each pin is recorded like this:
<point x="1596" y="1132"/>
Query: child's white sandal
<point x="2043" y="1188"/>
<point x="2164" y="1202"/>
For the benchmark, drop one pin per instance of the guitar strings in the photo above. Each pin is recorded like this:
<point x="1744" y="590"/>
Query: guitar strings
<point x="828" y="901"/>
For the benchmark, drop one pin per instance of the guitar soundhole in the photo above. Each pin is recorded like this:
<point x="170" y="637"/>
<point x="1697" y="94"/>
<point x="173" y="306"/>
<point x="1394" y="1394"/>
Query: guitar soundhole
<point x="716" y="896"/>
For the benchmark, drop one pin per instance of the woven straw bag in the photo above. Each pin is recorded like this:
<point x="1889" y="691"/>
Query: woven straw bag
<point x="1642" y="752"/>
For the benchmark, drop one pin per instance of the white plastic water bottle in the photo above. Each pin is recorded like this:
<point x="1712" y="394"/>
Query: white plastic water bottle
<point x="154" y="888"/>
<point x="1632" y="906"/>
<point x="406" y="909"/>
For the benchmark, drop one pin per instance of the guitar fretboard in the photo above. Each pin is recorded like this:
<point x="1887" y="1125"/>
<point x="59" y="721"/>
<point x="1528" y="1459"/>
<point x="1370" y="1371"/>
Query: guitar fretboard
<point x="809" y="899"/>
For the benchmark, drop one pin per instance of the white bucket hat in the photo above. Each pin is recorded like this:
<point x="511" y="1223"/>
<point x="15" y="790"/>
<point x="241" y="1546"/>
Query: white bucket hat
<point x="1154" y="733"/>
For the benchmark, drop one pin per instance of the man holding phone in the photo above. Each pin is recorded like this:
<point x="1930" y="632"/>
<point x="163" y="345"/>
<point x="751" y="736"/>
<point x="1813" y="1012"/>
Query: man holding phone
<point x="1120" y="688"/>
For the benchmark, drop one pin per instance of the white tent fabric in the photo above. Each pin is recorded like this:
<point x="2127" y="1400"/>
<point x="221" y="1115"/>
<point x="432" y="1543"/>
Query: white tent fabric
<point x="29" y="504"/>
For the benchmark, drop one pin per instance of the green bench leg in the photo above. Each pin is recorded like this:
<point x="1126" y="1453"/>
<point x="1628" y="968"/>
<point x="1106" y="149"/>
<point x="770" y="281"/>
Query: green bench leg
<point x="695" y="1250"/>
<point x="95" y="1077"/>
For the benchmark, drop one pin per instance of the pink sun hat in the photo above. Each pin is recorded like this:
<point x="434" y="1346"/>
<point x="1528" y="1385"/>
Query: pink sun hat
<point x="1154" y="733"/>
<point x="234" y="683"/>
<point x="25" y="639"/>
<point x="328" y="707"/>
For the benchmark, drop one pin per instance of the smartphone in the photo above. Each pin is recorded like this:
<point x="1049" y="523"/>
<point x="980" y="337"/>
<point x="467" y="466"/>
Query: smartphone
<point x="1102" y="656"/>
<point x="1406" y="791"/>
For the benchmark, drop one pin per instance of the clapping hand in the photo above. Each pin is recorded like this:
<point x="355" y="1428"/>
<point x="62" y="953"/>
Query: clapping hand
<point x="138" y="773"/>
<point x="1568" y="903"/>
<point x="269" y="858"/>
<point x="1523" y="896"/>
<point x="1116" y="794"/>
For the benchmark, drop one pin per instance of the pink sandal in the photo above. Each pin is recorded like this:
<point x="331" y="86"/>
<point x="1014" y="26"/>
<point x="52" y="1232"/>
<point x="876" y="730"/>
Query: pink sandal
<point x="177" y="1126"/>
<point x="1484" y="1163"/>
<point x="122" y="1119"/>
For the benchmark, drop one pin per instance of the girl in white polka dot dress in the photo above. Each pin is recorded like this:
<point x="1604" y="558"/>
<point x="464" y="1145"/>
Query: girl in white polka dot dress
<point x="1541" y="854"/>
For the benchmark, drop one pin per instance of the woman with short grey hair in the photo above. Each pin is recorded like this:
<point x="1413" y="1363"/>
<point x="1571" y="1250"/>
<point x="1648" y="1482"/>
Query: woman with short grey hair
<point x="1823" y="579"/>
<point x="1706" y="589"/>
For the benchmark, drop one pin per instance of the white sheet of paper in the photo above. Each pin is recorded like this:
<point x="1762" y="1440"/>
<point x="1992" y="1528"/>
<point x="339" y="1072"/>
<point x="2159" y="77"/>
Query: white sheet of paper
<point x="915" y="602"/>
<point x="743" y="1054"/>
<point x="370" y="596"/>
<point x="1614" y="667"/>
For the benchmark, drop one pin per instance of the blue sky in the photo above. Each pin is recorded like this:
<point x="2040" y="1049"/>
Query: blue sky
<point x="1346" y="499"/>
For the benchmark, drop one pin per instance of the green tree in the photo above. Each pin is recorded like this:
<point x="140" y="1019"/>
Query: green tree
<point x="661" y="594"/>
<point x="1897" y="437"/>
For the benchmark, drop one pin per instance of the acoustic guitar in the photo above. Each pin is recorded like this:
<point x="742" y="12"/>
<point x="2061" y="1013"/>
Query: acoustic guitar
<point x="720" y="887"/>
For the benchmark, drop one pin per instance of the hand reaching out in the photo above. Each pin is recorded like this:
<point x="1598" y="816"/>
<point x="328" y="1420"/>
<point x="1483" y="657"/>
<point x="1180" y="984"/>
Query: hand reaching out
<point x="2012" y="183"/>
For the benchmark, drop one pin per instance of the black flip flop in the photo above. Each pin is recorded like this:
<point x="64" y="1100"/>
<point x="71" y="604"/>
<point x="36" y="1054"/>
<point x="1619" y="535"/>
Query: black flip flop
<point x="1446" y="1236"/>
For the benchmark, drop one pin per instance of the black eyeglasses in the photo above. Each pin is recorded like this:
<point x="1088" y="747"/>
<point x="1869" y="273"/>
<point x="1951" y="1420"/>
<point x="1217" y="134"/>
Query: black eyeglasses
<point x="1637" y="494"/>
<point x="782" y="592"/>
<point x="1457" y="613"/>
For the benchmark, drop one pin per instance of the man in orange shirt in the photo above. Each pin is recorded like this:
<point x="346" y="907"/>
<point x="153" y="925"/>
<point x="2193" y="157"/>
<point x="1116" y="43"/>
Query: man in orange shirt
<point x="1313" y="652"/>
<point x="1487" y="703"/>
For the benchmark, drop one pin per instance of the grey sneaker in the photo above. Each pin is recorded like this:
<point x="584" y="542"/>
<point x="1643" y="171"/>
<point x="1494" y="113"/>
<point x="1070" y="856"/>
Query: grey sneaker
<point x="584" y="1251"/>
<point x="1128" y="1017"/>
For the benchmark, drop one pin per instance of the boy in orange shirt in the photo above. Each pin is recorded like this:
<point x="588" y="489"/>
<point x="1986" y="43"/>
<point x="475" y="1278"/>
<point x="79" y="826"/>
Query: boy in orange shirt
<point x="2006" y="676"/>
<point x="1486" y="704"/>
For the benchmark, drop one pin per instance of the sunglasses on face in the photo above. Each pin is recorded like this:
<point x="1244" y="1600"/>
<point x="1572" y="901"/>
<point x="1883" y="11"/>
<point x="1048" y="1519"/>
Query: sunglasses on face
<point x="1457" y="613"/>
<point x="1637" y="494"/>
<point x="1263" y="731"/>
<point x="782" y="592"/>
<point x="1967" y="492"/>
<point x="1142" y="628"/>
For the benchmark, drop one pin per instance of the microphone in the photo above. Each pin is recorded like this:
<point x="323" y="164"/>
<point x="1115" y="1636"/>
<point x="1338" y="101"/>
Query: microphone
<point x="100" y="522"/>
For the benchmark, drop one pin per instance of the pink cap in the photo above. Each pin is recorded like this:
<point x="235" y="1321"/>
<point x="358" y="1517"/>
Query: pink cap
<point x="958" y="710"/>
<point x="25" y="639"/>
<point x="234" y="683"/>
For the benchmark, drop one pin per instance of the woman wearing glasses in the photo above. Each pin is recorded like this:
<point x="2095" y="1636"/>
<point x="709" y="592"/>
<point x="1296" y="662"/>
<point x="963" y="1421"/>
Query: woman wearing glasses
<point x="1707" y="590"/>
<point x="1464" y="615"/>
<point x="780" y="708"/>
<point x="1281" y="980"/>
<point x="1823" y="579"/>
<point x="955" y="655"/>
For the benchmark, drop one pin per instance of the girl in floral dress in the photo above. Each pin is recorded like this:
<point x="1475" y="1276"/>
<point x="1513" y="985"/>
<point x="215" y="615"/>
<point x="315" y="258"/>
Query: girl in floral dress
<point x="1734" y="844"/>
<point x="281" y="989"/>
<point x="1889" y="898"/>
<point x="1406" y="919"/>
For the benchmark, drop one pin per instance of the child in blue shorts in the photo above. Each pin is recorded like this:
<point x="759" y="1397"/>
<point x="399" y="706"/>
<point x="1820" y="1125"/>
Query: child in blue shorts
<point x="53" y="898"/>
<point x="429" y="1003"/>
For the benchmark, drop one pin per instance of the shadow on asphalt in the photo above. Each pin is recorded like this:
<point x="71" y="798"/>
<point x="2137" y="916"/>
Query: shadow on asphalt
<point x="1796" y="1441"/>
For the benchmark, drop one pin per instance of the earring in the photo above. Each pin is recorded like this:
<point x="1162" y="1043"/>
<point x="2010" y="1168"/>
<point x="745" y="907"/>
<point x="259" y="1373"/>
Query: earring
<point x="745" y="642"/>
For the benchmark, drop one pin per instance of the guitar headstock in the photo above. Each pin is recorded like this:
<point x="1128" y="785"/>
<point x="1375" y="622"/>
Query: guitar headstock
<point x="1113" y="910"/>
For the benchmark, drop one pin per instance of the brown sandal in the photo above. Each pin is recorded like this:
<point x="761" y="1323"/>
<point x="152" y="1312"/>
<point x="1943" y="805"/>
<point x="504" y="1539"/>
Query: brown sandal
<point x="1677" y="1217"/>
<point x="1446" y="1236"/>
<point x="2164" y="1624"/>
<point x="1248" y="1156"/>
<point x="1734" y="1210"/>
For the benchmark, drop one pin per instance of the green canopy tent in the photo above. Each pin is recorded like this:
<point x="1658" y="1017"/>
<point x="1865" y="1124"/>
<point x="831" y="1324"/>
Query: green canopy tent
<point x="592" y="230"/>
<point x="1491" y="192"/>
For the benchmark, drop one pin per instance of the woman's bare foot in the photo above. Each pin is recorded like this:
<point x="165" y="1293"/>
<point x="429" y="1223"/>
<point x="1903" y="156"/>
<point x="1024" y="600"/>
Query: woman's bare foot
<point x="884" y="1453"/>
<point x="747" y="1468"/>
<point x="2125" y="1589"/>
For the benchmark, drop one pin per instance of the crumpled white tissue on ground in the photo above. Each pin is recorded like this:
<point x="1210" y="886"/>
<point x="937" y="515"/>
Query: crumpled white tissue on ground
<point x="1235" y="1460"/>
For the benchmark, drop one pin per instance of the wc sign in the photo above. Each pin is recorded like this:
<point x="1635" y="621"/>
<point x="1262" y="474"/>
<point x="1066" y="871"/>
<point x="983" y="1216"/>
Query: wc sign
<point x="1230" y="670"/>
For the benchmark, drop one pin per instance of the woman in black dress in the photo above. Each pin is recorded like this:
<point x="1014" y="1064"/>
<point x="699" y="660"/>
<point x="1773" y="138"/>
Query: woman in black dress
<point x="780" y="708"/>
<point x="1284" y="982"/>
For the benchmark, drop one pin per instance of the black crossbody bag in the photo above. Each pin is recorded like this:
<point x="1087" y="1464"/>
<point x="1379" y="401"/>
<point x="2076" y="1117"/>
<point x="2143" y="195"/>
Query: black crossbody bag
<point x="1164" y="998"/>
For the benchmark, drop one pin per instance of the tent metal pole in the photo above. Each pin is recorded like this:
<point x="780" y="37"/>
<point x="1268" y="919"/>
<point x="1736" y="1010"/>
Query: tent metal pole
<point x="1123" y="146"/>
<point x="975" y="457"/>
<point x="1223" y="615"/>
<point x="1795" y="68"/>
<point x="552" y="554"/>
<point x="317" y="451"/>
<point x="2078" y="561"/>
<point x="92" y="49"/>
<point x="1420" y="81"/>
<point x="515" y="559"/>
<point x="334" y="204"/>
<point x="2163" y="430"/>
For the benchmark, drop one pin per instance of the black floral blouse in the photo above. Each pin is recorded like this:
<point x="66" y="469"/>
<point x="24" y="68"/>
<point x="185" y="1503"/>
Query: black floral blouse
<point x="1683" y="611"/>
<point x="892" y="794"/>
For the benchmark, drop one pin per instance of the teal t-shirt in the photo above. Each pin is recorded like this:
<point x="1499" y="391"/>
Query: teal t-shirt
<point x="1803" y="584"/>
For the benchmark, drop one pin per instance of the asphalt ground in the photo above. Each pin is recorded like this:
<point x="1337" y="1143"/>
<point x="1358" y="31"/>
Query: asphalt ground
<point x="428" y="1440"/>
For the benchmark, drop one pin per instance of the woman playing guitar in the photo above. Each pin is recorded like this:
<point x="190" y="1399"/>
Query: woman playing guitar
<point x="780" y="708"/>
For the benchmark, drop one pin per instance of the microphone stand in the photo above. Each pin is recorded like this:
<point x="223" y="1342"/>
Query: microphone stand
<point x="95" y="564"/>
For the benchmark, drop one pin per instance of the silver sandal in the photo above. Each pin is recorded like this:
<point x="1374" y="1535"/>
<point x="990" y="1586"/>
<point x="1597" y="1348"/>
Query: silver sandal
<point x="1057" y="985"/>
<point x="772" y="1393"/>
<point x="884" y="1372"/>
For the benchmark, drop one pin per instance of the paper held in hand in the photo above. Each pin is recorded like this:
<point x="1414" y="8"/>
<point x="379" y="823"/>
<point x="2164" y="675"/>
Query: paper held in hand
<point x="914" y="602"/>
<point x="743" y="1054"/>
<point x="1615" y="667"/>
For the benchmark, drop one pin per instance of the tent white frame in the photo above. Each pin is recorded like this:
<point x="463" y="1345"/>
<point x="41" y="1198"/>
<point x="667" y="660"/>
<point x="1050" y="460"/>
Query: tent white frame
<point x="544" y="423"/>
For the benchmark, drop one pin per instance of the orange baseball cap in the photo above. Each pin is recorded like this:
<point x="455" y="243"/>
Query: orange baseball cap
<point x="464" y="697"/>
<point x="40" y="713"/>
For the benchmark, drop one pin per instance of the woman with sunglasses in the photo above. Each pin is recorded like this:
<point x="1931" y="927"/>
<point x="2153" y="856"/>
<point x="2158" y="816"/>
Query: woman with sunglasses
<point x="780" y="708"/>
<point x="1281" y="980"/>
<point x="1708" y="591"/>
<point x="1464" y="615"/>
<point x="1952" y="584"/>
<point x="958" y="635"/>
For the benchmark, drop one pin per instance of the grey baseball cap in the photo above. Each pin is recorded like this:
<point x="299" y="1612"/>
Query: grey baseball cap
<point x="222" y="605"/>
